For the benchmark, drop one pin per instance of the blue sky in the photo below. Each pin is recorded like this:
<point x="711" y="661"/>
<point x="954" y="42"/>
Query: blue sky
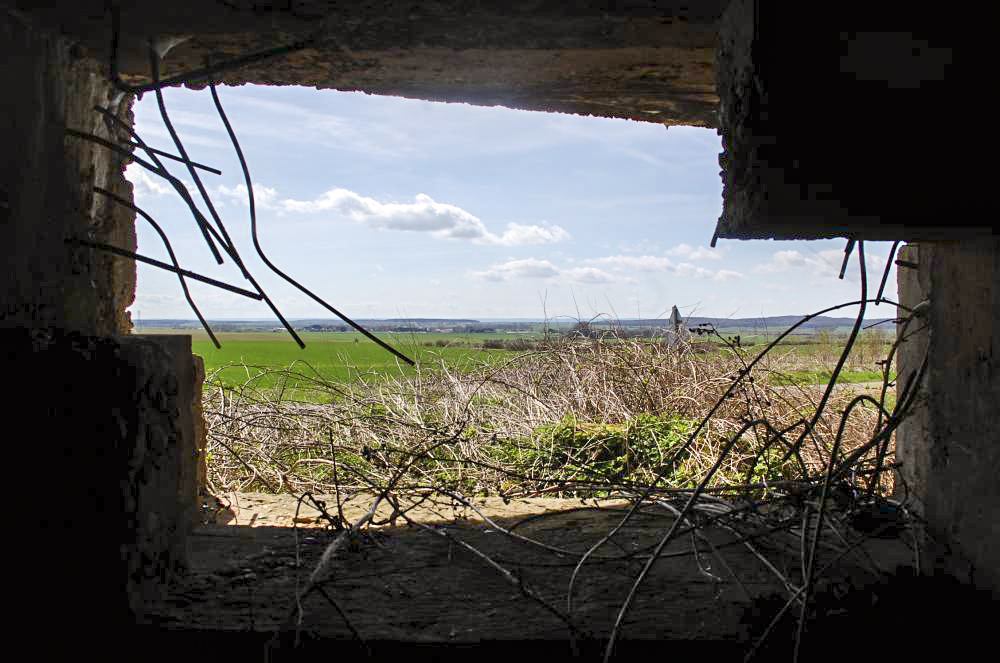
<point x="389" y="207"/>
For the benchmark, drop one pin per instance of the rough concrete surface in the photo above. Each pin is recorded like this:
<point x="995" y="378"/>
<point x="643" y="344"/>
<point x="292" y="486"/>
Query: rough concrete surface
<point x="403" y="583"/>
<point x="46" y="195"/>
<point x="649" y="60"/>
<point x="98" y="454"/>
<point x="950" y="450"/>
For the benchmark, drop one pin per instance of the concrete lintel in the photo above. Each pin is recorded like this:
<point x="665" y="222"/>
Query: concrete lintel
<point x="650" y="60"/>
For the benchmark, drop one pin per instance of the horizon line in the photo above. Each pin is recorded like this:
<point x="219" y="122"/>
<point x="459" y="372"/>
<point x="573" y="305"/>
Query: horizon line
<point x="497" y="319"/>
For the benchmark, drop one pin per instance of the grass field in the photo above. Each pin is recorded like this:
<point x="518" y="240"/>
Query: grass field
<point x="331" y="356"/>
<point x="575" y="417"/>
<point x="345" y="357"/>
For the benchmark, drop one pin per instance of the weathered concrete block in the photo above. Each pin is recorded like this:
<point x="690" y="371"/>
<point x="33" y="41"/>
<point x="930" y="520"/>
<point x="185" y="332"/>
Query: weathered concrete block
<point x="200" y="429"/>
<point x="182" y="366"/>
<point x="47" y="181"/>
<point x="950" y="447"/>
<point x="102" y="470"/>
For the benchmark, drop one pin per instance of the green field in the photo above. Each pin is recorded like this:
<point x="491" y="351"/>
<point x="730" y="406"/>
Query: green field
<point x="343" y="357"/>
<point x="331" y="356"/>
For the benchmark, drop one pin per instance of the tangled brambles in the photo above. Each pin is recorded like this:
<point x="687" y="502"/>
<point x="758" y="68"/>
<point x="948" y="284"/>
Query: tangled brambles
<point x="575" y="419"/>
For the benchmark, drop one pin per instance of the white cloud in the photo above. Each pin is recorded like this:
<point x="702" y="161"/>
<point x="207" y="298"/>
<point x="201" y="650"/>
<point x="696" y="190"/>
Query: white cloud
<point x="664" y="264"/>
<point x="524" y="268"/>
<point x="370" y="136"/>
<point x="829" y="261"/>
<point x="824" y="264"/>
<point x="620" y="266"/>
<point x="156" y="135"/>
<point x="688" y="270"/>
<point x="588" y="275"/>
<point x="517" y="234"/>
<point x="641" y="263"/>
<point x="533" y="268"/>
<point x="692" y="253"/>
<point x="789" y="259"/>
<point x="145" y="185"/>
<point x="424" y="214"/>
<point x="705" y="253"/>
<point x="264" y="197"/>
<point x="724" y="275"/>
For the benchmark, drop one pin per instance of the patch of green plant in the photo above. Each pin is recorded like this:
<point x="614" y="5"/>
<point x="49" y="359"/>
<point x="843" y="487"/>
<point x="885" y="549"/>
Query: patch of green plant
<point x="767" y="466"/>
<point x="377" y="411"/>
<point x="518" y="452"/>
<point x="633" y="451"/>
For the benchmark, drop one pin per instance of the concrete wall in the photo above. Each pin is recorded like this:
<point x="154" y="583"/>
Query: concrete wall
<point x="200" y="428"/>
<point x="831" y="129"/>
<point x="46" y="195"/>
<point x="102" y="430"/>
<point x="950" y="448"/>
<point x="102" y="462"/>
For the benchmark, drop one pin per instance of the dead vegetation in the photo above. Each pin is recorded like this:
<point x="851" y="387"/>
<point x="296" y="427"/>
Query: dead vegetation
<point x="569" y="420"/>
<point x="704" y="436"/>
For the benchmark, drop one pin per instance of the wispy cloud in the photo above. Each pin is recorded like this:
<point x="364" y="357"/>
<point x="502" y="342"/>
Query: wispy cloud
<point x="724" y="275"/>
<point x="531" y="268"/>
<point x="687" y="270"/>
<point x="616" y="136"/>
<point x="616" y="269"/>
<point x="589" y="275"/>
<point x="424" y="214"/>
<point x="534" y="268"/>
<point x="518" y="234"/>
<point x="145" y="185"/>
<point x="784" y="260"/>
<point x="695" y="253"/>
<point x="153" y="130"/>
<point x="626" y="263"/>
<point x="295" y="123"/>
<point x="823" y="264"/>
<point x="641" y="263"/>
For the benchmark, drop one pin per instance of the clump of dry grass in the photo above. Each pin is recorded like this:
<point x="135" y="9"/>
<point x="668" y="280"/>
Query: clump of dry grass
<point x="502" y="429"/>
